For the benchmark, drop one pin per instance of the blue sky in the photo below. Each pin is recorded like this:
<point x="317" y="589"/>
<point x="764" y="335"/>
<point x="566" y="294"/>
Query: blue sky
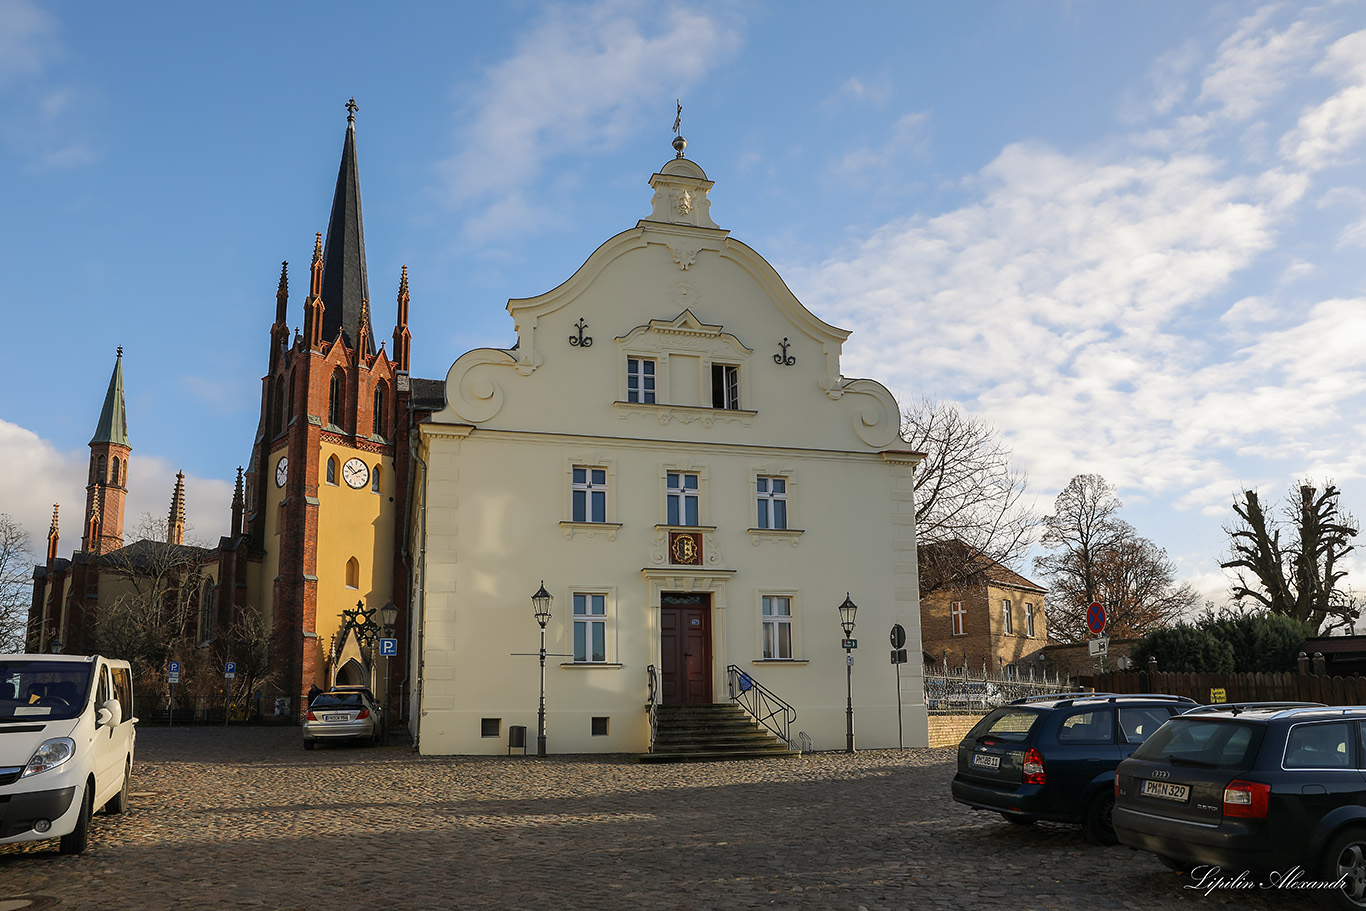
<point x="1130" y="235"/>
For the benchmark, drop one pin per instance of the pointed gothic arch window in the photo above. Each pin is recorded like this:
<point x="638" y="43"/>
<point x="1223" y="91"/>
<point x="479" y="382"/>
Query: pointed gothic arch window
<point x="353" y="573"/>
<point x="206" y="612"/>
<point x="99" y="470"/>
<point x="114" y="473"/>
<point x="277" y="418"/>
<point x="374" y="478"/>
<point x="336" y="401"/>
<point x="332" y="470"/>
<point x="380" y="426"/>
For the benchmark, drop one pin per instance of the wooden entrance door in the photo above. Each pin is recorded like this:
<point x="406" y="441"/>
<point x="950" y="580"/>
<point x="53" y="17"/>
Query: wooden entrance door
<point x="685" y="649"/>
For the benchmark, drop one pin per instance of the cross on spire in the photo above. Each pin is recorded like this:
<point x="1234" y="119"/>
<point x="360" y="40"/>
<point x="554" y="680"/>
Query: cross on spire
<point x="351" y="109"/>
<point x="678" y="119"/>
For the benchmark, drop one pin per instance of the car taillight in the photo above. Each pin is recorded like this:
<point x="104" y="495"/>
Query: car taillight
<point x="1033" y="768"/>
<point x="1247" y="799"/>
<point x="364" y="713"/>
<point x="309" y="716"/>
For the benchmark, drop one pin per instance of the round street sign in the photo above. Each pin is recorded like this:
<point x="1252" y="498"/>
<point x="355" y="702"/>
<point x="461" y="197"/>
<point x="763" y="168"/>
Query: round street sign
<point x="898" y="635"/>
<point x="1095" y="617"/>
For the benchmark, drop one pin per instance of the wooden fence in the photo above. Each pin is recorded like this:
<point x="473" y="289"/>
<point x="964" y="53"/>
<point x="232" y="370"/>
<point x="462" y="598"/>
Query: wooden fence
<point x="1203" y="688"/>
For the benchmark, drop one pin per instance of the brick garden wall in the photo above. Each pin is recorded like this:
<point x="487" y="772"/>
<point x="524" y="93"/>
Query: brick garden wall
<point x="947" y="730"/>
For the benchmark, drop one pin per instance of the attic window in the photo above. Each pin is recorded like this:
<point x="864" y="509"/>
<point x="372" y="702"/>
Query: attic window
<point x="725" y="386"/>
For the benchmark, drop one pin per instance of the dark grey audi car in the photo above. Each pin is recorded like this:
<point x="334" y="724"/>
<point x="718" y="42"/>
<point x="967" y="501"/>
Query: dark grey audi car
<point x="1274" y="794"/>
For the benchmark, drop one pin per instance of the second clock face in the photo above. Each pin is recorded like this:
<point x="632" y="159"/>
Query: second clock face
<point x="356" y="473"/>
<point x="281" y="472"/>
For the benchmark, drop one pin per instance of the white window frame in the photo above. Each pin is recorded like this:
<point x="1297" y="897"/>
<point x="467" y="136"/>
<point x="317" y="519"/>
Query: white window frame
<point x="646" y="391"/>
<point x="776" y="622"/>
<point x="729" y="391"/>
<point x="1007" y="617"/>
<point x="768" y="502"/>
<point x="1029" y="619"/>
<point x="588" y="620"/>
<point x="958" y="613"/>
<point x="681" y="495"/>
<point x="590" y="488"/>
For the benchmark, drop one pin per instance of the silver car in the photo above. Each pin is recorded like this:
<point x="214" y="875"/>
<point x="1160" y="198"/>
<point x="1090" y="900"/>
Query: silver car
<point x="343" y="713"/>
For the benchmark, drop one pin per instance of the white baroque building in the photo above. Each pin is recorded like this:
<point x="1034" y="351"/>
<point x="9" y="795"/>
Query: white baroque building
<point x="672" y="449"/>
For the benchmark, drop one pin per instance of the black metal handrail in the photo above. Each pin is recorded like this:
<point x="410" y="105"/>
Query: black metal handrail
<point x="652" y="706"/>
<point x="755" y="698"/>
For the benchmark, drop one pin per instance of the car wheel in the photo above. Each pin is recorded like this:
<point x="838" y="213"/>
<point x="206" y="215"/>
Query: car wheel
<point x="309" y="744"/>
<point x="76" y="841"/>
<point x="1018" y="820"/>
<point x="119" y="802"/>
<point x="1346" y="859"/>
<point x="1098" y="822"/>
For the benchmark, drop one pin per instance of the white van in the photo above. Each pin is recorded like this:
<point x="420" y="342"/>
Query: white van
<point x="66" y="745"/>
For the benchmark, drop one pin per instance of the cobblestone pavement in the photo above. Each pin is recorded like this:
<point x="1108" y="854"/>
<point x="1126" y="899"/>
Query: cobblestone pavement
<point x="245" y="818"/>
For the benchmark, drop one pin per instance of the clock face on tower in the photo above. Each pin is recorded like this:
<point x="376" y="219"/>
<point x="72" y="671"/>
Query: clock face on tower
<point x="281" y="472"/>
<point x="356" y="473"/>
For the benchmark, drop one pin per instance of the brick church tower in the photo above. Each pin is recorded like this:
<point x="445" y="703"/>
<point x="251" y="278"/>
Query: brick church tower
<point x="325" y="505"/>
<point x="107" y="486"/>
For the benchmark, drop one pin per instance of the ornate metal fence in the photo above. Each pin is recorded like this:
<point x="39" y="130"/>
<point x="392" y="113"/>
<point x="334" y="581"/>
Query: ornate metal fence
<point x="963" y="693"/>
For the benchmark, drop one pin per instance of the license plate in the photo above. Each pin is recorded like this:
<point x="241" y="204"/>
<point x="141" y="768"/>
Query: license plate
<point x="331" y="718"/>
<point x="983" y="761"/>
<point x="1165" y="790"/>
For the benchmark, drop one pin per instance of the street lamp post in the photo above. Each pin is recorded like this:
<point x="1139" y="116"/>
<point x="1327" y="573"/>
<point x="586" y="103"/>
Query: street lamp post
<point x="389" y="614"/>
<point x="540" y="609"/>
<point x="847" y="611"/>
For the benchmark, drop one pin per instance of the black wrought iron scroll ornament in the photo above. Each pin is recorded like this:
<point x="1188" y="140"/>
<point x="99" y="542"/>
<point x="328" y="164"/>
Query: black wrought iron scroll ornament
<point x="784" y="359"/>
<point x="581" y="340"/>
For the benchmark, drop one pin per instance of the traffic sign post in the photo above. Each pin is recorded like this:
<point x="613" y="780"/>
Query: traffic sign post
<point x="173" y="677"/>
<point x="898" y="658"/>
<point x="229" y="672"/>
<point x="1095" y="617"/>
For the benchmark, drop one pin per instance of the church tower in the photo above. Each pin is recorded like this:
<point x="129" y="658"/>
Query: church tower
<point x="107" y="486"/>
<point x="324" y="501"/>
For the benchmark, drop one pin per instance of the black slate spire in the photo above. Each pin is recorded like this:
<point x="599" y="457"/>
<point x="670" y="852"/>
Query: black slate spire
<point x="345" y="286"/>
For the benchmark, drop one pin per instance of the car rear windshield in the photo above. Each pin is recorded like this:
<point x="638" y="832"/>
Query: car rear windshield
<point x="1214" y="743"/>
<point x="333" y="700"/>
<point x="1006" y="723"/>
<point x="43" y="690"/>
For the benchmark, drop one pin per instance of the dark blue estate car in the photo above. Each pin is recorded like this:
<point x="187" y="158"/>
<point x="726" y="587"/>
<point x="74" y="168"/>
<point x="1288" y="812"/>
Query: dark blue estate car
<point x="1266" y="791"/>
<point x="1054" y="757"/>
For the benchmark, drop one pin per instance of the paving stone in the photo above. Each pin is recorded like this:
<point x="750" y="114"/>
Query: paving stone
<point x="245" y="818"/>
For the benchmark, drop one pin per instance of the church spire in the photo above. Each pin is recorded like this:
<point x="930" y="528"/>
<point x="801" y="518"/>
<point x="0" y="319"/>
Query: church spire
<point x="52" y="536"/>
<point x="345" y="287"/>
<point x="238" y="506"/>
<point x="113" y="425"/>
<point x="175" y="525"/>
<point x="403" y="339"/>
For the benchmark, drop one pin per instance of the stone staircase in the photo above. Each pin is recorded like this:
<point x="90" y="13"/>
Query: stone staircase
<point x="704" y="733"/>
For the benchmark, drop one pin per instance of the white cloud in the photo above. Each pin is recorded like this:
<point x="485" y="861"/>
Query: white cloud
<point x="906" y="142"/>
<point x="27" y="40"/>
<point x="1256" y="62"/>
<point x="581" y="80"/>
<point x="1327" y="132"/>
<point x="34" y="474"/>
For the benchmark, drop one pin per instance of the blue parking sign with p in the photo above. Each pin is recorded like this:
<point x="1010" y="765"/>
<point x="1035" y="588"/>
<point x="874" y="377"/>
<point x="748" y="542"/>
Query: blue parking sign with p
<point x="175" y="667"/>
<point x="388" y="647"/>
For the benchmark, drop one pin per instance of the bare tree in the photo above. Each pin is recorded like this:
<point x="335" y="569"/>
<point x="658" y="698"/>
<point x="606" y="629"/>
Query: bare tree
<point x="1098" y="557"/>
<point x="1300" y="577"/>
<point x="965" y="491"/>
<point x="157" y="594"/>
<point x="16" y="584"/>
